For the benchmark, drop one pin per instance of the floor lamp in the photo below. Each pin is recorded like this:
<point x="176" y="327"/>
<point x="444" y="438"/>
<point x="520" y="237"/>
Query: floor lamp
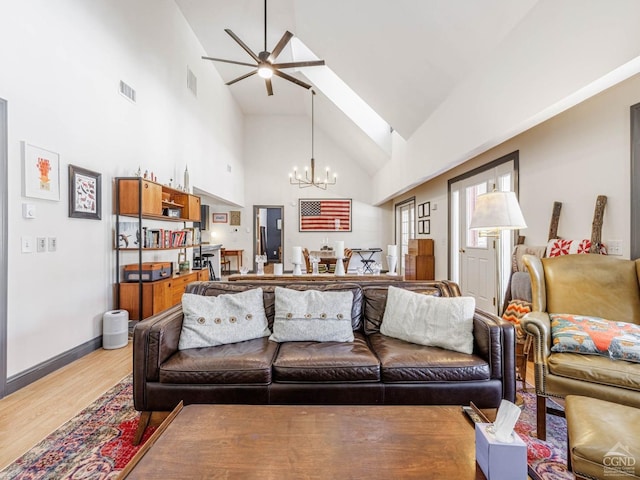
<point x="494" y="212"/>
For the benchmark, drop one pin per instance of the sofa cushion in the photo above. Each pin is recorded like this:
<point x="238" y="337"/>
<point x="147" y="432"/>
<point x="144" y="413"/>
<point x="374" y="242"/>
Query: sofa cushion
<point x="312" y="315"/>
<point x="211" y="321"/>
<point x="236" y="363"/>
<point x="595" y="336"/>
<point x="429" y="320"/>
<point x="375" y="300"/>
<point x="595" y="369"/>
<point x="326" y="362"/>
<point x="405" y="362"/>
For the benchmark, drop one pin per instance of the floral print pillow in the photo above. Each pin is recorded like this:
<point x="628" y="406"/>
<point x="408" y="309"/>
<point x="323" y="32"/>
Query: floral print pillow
<point x="595" y="336"/>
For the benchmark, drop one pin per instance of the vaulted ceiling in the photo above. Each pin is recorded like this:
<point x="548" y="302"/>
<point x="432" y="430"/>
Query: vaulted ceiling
<point x="402" y="57"/>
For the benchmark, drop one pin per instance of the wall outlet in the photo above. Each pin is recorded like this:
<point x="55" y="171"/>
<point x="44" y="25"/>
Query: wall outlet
<point x="41" y="244"/>
<point x="53" y="244"/>
<point x="614" y="247"/>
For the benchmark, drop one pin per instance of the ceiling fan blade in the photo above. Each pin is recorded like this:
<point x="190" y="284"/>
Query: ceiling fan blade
<point x="280" y="46"/>
<point x="267" y="82"/>
<point x="229" y="61"/>
<point x="311" y="63"/>
<point x="242" y="44"/>
<point x="291" y="79"/>
<point x="241" y="77"/>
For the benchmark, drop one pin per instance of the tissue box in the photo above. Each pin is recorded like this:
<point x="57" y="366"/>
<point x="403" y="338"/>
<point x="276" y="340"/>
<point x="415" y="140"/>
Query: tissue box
<point x="497" y="460"/>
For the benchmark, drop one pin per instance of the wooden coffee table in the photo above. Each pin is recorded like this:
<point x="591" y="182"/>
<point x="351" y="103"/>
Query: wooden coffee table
<point x="310" y="442"/>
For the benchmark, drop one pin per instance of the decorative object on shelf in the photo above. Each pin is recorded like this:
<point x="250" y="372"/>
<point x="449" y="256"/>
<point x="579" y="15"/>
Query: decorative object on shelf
<point x="424" y="210"/>
<point x="493" y="213"/>
<point x="220" y="218"/>
<point x="183" y="263"/>
<point x="41" y="173"/>
<point x="260" y="261"/>
<point x="324" y="215"/>
<point x="314" y="264"/>
<point x="234" y="218"/>
<point x="310" y="179"/>
<point x="85" y="193"/>
<point x="265" y="68"/>
<point x="186" y="179"/>
<point x="392" y="258"/>
<point x="138" y="172"/>
<point x="296" y="259"/>
<point x="339" y="248"/>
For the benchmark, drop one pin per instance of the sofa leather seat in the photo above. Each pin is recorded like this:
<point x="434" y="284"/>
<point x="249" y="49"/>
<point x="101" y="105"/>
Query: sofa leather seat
<point x="595" y="369"/>
<point x="326" y="362"/>
<point x="236" y="363"/>
<point x="408" y="362"/>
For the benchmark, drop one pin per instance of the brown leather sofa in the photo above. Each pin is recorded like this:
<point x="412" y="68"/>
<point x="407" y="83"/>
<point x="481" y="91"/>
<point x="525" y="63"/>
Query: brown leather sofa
<point x="584" y="284"/>
<point x="372" y="370"/>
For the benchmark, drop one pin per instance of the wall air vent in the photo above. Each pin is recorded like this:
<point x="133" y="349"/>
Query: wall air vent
<point x="192" y="82"/>
<point x="127" y="91"/>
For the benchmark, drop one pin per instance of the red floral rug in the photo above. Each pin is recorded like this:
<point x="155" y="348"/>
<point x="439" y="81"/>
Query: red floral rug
<point x="547" y="460"/>
<point x="96" y="444"/>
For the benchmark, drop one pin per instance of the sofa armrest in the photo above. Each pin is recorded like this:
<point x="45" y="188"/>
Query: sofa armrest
<point x="495" y="342"/>
<point x="538" y="324"/>
<point x="154" y="340"/>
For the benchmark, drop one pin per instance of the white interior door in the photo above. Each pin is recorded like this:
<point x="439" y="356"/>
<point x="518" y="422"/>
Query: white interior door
<point x="474" y="256"/>
<point x="405" y="229"/>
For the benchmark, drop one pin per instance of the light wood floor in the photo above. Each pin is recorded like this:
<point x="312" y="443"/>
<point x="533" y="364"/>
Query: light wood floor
<point x="33" y="412"/>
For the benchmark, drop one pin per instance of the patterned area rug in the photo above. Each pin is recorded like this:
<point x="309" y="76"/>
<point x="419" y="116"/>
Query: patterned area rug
<point x="547" y="460"/>
<point x="97" y="443"/>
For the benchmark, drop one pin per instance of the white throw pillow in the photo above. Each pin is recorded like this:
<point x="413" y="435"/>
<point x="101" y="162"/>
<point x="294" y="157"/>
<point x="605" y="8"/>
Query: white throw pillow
<point x="312" y="315"/>
<point x="428" y="320"/>
<point x="228" y="318"/>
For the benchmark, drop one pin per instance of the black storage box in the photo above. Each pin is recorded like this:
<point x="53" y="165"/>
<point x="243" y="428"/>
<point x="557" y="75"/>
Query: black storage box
<point x="151" y="271"/>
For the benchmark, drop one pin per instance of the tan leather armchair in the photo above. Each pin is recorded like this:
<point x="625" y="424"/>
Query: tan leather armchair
<point x="582" y="284"/>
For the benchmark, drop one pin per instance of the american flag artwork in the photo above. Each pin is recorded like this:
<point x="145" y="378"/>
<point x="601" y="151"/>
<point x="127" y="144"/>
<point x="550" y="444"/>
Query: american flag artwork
<point x="322" y="215"/>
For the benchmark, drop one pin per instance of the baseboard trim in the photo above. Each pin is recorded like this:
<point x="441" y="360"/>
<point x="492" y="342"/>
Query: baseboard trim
<point x="22" y="379"/>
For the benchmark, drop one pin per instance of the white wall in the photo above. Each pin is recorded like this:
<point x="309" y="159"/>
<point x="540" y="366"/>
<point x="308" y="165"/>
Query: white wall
<point x="273" y="146"/>
<point x="571" y="158"/>
<point x="518" y="86"/>
<point x="61" y="65"/>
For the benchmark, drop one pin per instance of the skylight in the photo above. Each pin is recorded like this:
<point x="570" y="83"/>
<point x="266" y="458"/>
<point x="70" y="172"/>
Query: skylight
<point x="343" y="97"/>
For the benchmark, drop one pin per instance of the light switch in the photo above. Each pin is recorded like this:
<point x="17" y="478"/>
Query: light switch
<point x="53" y="244"/>
<point x="41" y="244"/>
<point x="27" y="244"/>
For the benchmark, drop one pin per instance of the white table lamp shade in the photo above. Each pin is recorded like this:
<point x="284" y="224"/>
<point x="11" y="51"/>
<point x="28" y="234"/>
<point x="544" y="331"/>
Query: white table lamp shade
<point x="497" y="211"/>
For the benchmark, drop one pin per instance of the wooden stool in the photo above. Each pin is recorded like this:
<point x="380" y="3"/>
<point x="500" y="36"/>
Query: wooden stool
<point x="603" y="441"/>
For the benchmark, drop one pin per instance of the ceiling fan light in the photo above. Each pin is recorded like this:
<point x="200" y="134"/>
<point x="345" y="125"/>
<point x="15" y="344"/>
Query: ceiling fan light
<point x="265" y="71"/>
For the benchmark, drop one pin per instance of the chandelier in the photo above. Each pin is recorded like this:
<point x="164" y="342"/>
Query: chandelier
<point x="309" y="179"/>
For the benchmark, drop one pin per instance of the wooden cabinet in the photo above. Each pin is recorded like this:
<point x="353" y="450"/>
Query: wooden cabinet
<point x="419" y="262"/>
<point x="146" y="200"/>
<point x="157" y="296"/>
<point x="158" y="201"/>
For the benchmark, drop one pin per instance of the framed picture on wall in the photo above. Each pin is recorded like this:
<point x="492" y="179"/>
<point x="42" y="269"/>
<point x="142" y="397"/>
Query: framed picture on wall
<point x="421" y="210"/>
<point x="325" y="214"/>
<point x="220" y="218"/>
<point x="426" y="227"/>
<point x="426" y="209"/>
<point x="40" y="173"/>
<point x="85" y="193"/>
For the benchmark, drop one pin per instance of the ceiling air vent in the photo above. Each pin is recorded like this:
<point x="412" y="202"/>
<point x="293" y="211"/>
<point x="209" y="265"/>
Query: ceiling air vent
<point x="127" y="91"/>
<point x="192" y="82"/>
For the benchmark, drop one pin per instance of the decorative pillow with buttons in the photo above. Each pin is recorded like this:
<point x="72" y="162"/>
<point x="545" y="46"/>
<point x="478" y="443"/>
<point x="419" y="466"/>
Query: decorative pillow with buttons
<point x="228" y="318"/>
<point x="312" y="315"/>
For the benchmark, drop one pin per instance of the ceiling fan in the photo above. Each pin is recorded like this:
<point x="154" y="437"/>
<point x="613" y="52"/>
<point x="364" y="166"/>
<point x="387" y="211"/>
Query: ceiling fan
<point x="264" y="65"/>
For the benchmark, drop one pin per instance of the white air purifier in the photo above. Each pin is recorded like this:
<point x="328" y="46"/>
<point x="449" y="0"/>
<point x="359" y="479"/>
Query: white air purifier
<point x="115" y="329"/>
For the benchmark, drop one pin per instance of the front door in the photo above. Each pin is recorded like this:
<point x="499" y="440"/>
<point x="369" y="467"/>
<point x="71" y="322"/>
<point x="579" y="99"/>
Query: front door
<point x="474" y="265"/>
